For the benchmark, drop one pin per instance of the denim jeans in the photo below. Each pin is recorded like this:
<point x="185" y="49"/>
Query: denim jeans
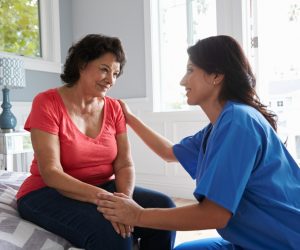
<point x="83" y="226"/>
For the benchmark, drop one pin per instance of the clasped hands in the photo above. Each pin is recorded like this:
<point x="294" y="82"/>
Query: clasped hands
<point x="119" y="208"/>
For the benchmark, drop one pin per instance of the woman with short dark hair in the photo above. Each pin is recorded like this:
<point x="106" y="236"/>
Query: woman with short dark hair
<point x="81" y="149"/>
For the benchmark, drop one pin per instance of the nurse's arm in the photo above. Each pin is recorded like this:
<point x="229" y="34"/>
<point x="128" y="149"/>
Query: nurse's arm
<point x="156" y="142"/>
<point x="203" y="215"/>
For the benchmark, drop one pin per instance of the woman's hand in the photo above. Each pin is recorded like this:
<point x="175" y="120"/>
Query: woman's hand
<point x="119" y="208"/>
<point x="123" y="230"/>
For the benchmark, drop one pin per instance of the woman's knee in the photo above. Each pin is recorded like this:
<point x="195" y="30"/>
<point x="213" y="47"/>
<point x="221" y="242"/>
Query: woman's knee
<point x="166" y="201"/>
<point x="149" y="198"/>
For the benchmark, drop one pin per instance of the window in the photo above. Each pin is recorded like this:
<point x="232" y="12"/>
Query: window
<point x="20" y="27"/>
<point x="180" y="24"/>
<point x="279" y="103"/>
<point x="30" y="29"/>
<point x="271" y="43"/>
<point x="278" y="66"/>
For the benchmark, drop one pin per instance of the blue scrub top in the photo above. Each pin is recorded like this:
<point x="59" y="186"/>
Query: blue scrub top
<point x="241" y="164"/>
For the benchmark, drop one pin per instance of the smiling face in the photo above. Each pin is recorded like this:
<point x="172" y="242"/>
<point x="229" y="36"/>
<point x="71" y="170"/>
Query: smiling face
<point x="99" y="75"/>
<point x="199" y="85"/>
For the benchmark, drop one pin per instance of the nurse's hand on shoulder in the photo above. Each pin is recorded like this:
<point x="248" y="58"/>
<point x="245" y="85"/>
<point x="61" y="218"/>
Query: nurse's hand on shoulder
<point x="126" y="111"/>
<point x="120" y="208"/>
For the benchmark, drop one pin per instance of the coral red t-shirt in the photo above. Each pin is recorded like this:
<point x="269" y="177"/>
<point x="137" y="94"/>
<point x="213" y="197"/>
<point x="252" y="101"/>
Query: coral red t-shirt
<point x="85" y="158"/>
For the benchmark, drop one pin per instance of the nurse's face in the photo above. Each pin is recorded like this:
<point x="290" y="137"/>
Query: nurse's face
<point x="198" y="84"/>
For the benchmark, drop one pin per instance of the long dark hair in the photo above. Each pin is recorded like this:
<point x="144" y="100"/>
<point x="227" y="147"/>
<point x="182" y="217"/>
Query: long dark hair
<point x="88" y="49"/>
<point x="223" y="55"/>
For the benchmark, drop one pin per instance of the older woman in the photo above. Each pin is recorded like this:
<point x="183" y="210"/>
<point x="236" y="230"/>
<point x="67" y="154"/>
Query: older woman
<point x="81" y="149"/>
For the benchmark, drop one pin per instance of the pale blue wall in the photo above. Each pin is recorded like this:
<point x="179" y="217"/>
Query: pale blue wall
<point x="124" y="19"/>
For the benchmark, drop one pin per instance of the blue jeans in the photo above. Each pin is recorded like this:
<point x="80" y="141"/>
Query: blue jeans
<point x="206" y="244"/>
<point x="83" y="226"/>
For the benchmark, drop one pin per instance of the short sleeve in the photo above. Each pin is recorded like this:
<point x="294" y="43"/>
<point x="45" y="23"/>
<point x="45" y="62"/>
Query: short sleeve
<point x="231" y="155"/>
<point x="43" y="114"/>
<point x="187" y="152"/>
<point x="120" y="121"/>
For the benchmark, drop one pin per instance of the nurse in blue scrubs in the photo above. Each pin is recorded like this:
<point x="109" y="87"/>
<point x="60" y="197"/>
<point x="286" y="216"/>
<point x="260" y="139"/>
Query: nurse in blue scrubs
<point x="247" y="183"/>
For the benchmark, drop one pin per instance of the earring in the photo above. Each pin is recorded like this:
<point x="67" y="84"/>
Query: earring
<point x="214" y="82"/>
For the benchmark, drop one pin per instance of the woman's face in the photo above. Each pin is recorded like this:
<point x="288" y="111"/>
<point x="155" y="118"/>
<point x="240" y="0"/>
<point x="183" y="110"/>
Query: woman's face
<point x="99" y="75"/>
<point x="198" y="84"/>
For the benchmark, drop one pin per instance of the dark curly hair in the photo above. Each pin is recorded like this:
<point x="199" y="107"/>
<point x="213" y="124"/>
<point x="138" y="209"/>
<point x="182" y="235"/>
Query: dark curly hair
<point x="223" y="55"/>
<point x="88" y="49"/>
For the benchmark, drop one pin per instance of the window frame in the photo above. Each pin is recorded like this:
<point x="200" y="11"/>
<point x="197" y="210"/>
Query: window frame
<point x="50" y="37"/>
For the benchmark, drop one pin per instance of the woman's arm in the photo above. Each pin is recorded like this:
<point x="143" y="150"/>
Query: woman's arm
<point x="203" y="215"/>
<point x="123" y="166"/>
<point x="159" y="144"/>
<point x="47" y="151"/>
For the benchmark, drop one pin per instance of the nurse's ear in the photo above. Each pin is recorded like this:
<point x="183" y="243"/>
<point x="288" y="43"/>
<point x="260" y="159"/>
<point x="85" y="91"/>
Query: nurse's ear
<point x="218" y="79"/>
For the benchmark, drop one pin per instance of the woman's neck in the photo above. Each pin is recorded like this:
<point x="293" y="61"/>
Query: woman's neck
<point x="213" y="110"/>
<point x="77" y="100"/>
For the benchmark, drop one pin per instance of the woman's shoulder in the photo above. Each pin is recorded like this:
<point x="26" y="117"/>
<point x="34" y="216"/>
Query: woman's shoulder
<point x="113" y="103"/>
<point x="243" y="116"/>
<point x="48" y="100"/>
<point x="46" y="95"/>
<point x="232" y="106"/>
<point x="235" y="110"/>
<point x="111" y="100"/>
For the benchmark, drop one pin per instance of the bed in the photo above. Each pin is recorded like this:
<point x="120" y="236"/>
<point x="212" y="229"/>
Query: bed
<point x="16" y="233"/>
